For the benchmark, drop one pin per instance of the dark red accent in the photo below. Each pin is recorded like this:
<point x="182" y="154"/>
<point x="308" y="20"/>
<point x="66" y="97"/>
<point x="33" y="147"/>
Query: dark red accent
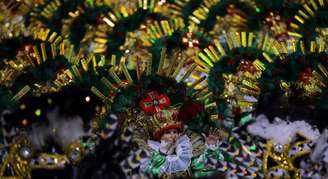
<point x="190" y="110"/>
<point x="236" y="111"/>
<point x="120" y="34"/>
<point x="230" y="62"/>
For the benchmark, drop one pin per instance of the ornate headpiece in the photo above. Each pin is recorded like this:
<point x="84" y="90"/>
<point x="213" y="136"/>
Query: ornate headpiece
<point x="164" y="120"/>
<point x="163" y="116"/>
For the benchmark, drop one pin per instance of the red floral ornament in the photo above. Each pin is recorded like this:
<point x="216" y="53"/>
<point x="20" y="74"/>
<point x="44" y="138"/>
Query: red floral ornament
<point x="154" y="102"/>
<point x="189" y="39"/>
<point x="231" y="9"/>
<point x="248" y="66"/>
<point x="305" y="75"/>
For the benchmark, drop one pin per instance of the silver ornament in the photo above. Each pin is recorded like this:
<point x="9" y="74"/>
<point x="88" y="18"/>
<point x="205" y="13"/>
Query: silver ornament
<point x="25" y="152"/>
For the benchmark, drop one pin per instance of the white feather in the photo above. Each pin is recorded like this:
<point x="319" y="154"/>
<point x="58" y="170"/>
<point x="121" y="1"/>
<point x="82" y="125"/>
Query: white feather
<point x="63" y="130"/>
<point x="281" y="131"/>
